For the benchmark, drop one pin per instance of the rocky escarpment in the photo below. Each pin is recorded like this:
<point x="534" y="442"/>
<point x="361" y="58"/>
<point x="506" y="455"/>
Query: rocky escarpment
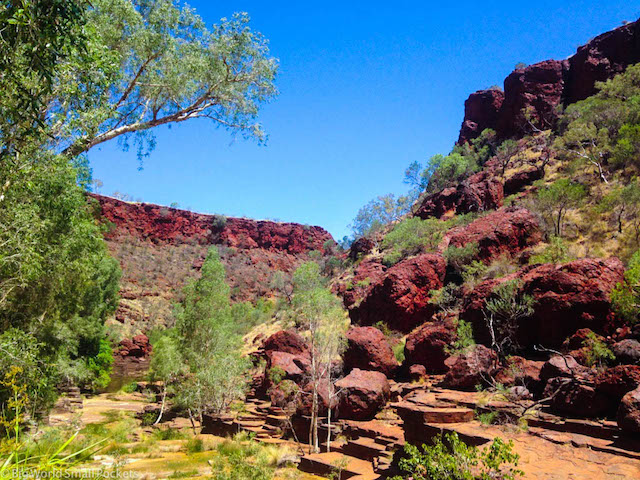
<point x="532" y="94"/>
<point x="159" y="248"/>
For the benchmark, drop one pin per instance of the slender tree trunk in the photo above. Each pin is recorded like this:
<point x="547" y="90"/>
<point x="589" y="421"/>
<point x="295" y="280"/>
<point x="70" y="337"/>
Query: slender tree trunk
<point x="164" y="397"/>
<point x="329" y="427"/>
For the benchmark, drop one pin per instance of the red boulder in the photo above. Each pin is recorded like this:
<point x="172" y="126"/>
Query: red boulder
<point x="508" y="230"/>
<point x="617" y="381"/>
<point x="428" y="345"/>
<point x="286" y="341"/>
<point x="474" y="367"/>
<point x="401" y="299"/>
<point x="629" y="412"/>
<point x="364" y="393"/>
<point x="368" y="349"/>
<point x="480" y="192"/>
<point x="566" y="298"/>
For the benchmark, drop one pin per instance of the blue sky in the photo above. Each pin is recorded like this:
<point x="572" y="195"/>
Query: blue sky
<point x="365" y="89"/>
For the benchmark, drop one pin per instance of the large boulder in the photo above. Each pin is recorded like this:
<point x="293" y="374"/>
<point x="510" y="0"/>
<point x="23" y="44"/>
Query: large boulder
<point x="566" y="298"/>
<point x="627" y="351"/>
<point x="629" y="412"/>
<point x="136" y="347"/>
<point x="532" y="94"/>
<point x="505" y="231"/>
<point x="520" y="371"/>
<point x="575" y="397"/>
<point x="428" y="346"/>
<point x="286" y="365"/>
<point x="474" y="367"/>
<point x="401" y="299"/>
<point x="363" y="394"/>
<point x="286" y="341"/>
<point x="481" y="191"/>
<point x="368" y="349"/>
<point x="617" y="381"/>
<point x="564" y="366"/>
<point x="481" y="111"/>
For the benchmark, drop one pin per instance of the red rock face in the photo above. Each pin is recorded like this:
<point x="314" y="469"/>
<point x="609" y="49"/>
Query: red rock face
<point x="537" y="89"/>
<point x="602" y="58"/>
<point x="428" y="344"/>
<point x="368" y="349"/>
<point x="169" y="225"/>
<point x="505" y="231"/>
<point x="518" y="181"/>
<point x="364" y="393"/>
<point x="401" y="298"/>
<point x="575" y="397"/>
<point x="567" y="297"/>
<point x="521" y="372"/>
<point x="480" y="112"/>
<point x="480" y="192"/>
<point x="545" y="85"/>
<point x="472" y="368"/>
<point x="137" y="347"/>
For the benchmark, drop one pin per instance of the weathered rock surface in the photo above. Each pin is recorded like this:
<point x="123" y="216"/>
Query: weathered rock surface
<point x="368" y="349"/>
<point x="427" y="346"/>
<point x="617" y="381"/>
<point x="536" y="89"/>
<point x="138" y="346"/>
<point x="364" y="393"/>
<point x="293" y="367"/>
<point x="627" y="351"/>
<point x="481" y="111"/>
<point x="481" y="191"/>
<point x="505" y="231"/>
<point x="540" y="88"/>
<point x="602" y="58"/>
<point x="520" y="372"/>
<point x="366" y="275"/>
<point x="576" y="398"/>
<point x="473" y="367"/>
<point x="564" y="366"/>
<point x="401" y="298"/>
<point x="629" y="412"/>
<point x="360" y="247"/>
<point x="170" y="225"/>
<point x="286" y="341"/>
<point x="567" y="297"/>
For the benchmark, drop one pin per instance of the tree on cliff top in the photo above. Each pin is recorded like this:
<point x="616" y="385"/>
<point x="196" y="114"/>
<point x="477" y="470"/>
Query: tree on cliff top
<point x="150" y="63"/>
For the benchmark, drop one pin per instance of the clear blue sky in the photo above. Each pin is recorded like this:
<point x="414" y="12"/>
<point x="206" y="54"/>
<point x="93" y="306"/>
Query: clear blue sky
<point x="366" y="88"/>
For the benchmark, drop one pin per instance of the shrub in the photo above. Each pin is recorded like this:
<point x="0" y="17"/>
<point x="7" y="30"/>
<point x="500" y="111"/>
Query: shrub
<point x="553" y="202"/>
<point x="195" y="445"/>
<point x="398" y="350"/>
<point x="411" y="236"/>
<point x="597" y="352"/>
<point x="464" y="332"/>
<point x="556" y="252"/>
<point x="452" y="459"/>
<point x="503" y="312"/>
<point x="446" y="299"/>
<point x="459" y="257"/>
<point x="276" y="375"/>
<point x="626" y="295"/>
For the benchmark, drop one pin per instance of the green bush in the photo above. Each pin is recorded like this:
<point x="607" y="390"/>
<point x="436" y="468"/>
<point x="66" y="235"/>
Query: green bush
<point x="195" y="445"/>
<point x="398" y="350"/>
<point x="459" y="257"/>
<point x="597" y="352"/>
<point x="626" y="295"/>
<point x="556" y="252"/>
<point x="412" y="236"/>
<point x="451" y="459"/>
<point x="464" y="332"/>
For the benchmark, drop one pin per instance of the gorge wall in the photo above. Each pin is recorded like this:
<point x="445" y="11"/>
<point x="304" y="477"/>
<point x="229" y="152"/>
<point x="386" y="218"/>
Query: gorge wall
<point x="159" y="248"/>
<point x="532" y="94"/>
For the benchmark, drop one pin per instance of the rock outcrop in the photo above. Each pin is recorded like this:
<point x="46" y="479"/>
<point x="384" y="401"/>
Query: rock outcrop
<point x="505" y="231"/>
<point x="473" y="367"/>
<point x="538" y="89"/>
<point x="401" y="298"/>
<point x="364" y="393"/>
<point x="627" y="351"/>
<point x="428" y="346"/>
<point x="481" y="191"/>
<point x="368" y="349"/>
<point x="481" y="111"/>
<point x="566" y="298"/>
<point x="617" y="381"/>
<point x="160" y="224"/>
<point x="519" y="180"/>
